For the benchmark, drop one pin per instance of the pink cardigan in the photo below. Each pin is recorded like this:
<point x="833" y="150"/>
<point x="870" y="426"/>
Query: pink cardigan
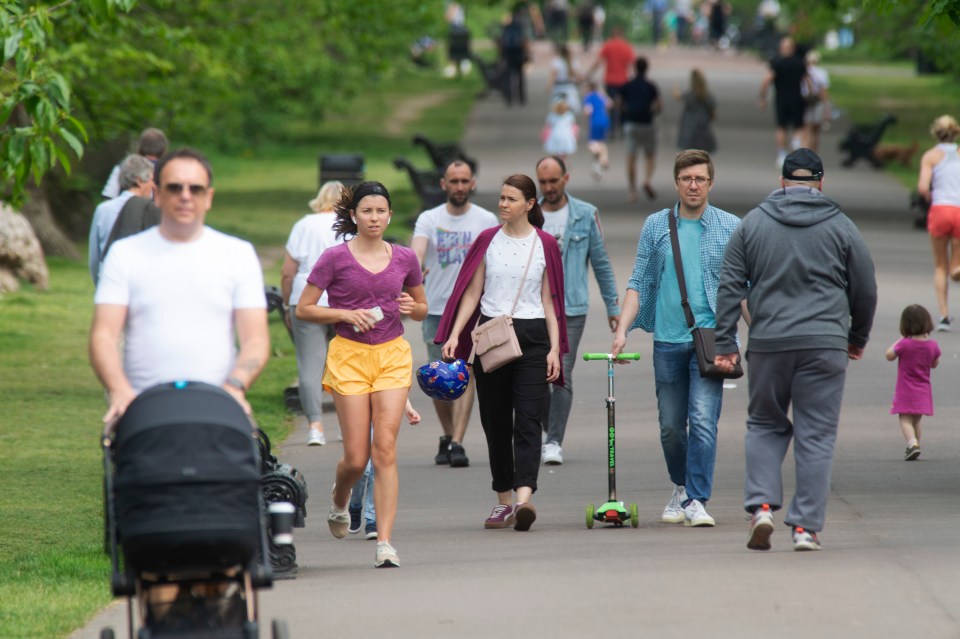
<point x="474" y="258"/>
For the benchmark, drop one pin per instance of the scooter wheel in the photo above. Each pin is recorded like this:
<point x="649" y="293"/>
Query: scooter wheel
<point x="634" y="516"/>
<point x="590" y="518"/>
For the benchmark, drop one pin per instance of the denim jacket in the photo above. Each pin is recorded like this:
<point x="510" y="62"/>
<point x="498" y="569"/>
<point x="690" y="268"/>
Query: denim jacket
<point x="654" y="249"/>
<point x="582" y="243"/>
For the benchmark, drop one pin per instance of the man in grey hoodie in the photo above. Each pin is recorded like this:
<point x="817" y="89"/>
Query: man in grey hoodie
<point x="811" y="291"/>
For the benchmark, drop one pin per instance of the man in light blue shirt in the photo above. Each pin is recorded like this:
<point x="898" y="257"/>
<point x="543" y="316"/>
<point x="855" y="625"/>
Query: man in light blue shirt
<point x="136" y="179"/>
<point x="688" y="405"/>
<point x="576" y="225"/>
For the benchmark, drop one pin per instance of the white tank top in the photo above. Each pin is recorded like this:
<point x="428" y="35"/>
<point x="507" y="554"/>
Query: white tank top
<point x="945" y="185"/>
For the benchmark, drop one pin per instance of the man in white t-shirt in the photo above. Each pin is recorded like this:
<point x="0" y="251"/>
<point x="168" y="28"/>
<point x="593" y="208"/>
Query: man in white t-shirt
<point x="440" y="240"/>
<point x="183" y="296"/>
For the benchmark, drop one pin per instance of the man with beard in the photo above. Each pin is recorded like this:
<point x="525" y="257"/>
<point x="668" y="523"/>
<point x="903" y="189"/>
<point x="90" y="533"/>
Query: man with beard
<point x="440" y="239"/>
<point x="576" y="225"/>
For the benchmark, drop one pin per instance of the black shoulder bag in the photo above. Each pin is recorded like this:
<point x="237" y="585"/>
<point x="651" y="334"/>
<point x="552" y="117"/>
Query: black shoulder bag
<point x="703" y="338"/>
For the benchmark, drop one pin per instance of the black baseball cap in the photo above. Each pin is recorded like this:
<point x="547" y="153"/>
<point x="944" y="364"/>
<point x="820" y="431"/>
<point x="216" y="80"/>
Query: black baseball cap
<point x="803" y="159"/>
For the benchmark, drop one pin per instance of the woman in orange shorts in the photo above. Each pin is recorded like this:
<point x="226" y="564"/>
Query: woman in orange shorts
<point x="939" y="184"/>
<point x="370" y="285"/>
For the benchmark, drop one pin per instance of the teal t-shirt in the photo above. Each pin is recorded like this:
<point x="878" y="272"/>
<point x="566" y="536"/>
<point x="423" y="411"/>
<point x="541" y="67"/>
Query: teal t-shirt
<point x="671" y="325"/>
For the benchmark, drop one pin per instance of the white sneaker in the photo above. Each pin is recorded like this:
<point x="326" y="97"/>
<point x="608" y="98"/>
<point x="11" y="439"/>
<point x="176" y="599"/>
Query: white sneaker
<point x="552" y="454"/>
<point x="805" y="540"/>
<point x="696" y="515"/>
<point x="339" y="520"/>
<point x="316" y="438"/>
<point x="386" y="556"/>
<point x="944" y="324"/>
<point x="761" y="527"/>
<point x="673" y="512"/>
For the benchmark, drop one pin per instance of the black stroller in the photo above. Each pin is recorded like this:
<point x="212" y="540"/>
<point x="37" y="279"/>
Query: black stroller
<point x="183" y="507"/>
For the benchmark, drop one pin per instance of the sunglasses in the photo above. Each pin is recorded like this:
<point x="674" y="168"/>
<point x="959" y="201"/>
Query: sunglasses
<point x="174" y="188"/>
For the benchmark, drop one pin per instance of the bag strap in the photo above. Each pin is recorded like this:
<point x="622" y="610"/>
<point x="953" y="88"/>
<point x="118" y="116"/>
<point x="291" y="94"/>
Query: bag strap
<point x="678" y="264"/>
<point x="533" y="247"/>
<point x="516" y="299"/>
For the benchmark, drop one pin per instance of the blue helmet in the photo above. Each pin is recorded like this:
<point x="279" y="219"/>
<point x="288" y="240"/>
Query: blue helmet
<point x="445" y="381"/>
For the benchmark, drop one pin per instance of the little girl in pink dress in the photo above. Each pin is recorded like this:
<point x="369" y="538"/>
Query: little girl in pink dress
<point x="917" y="354"/>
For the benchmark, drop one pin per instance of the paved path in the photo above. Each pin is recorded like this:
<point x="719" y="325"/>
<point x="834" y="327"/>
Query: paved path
<point x="891" y="560"/>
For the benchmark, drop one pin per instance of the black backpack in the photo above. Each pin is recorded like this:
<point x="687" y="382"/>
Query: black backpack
<point x="512" y="37"/>
<point x="138" y="214"/>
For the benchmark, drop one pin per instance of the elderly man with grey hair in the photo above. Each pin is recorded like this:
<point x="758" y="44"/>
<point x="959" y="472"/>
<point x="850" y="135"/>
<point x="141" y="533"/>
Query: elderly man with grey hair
<point x="151" y="145"/>
<point x="133" y="206"/>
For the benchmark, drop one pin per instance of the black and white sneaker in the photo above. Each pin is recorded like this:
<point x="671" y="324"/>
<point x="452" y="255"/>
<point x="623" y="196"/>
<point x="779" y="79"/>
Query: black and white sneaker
<point x="944" y="324"/>
<point x="442" y="457"/>
<point x="457" y="457"/>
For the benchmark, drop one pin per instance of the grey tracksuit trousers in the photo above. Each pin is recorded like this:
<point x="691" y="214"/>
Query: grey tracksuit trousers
<point x="812" y="381"/>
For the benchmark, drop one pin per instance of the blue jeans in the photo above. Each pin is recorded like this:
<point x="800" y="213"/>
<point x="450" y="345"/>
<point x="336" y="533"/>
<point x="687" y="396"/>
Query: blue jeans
<point x="362" y="495"/>
<point x="689" y="407"/>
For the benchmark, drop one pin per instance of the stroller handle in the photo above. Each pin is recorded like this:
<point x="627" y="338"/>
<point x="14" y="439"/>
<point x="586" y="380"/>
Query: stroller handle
<point x="589" y="356"/>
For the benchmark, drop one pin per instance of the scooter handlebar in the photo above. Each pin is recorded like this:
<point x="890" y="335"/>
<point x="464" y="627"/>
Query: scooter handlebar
<point x="606" y="356"/>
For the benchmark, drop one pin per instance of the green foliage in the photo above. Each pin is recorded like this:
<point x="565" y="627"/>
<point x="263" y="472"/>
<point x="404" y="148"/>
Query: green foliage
<point x="228" y="72"/>
<point x="37" y="127"/>
<point x="927" y="27"/>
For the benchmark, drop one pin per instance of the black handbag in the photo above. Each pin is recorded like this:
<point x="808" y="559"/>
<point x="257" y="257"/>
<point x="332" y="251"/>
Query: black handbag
<point x="704" y="339"/>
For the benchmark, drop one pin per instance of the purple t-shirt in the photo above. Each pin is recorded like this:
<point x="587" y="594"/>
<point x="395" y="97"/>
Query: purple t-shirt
<point x="350" y="286"/>
<point x="913" y="395"/>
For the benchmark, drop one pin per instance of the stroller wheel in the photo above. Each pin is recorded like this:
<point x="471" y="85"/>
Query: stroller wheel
<point x="107" y="633"/>
<point x="279" y="629"/>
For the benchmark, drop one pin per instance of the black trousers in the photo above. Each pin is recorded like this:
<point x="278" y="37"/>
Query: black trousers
<point x="511" y="404"/>
<point x="514" y="82"/>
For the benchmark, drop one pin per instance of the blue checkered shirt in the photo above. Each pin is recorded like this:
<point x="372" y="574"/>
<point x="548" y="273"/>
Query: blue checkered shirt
<point x="654" y="249"/>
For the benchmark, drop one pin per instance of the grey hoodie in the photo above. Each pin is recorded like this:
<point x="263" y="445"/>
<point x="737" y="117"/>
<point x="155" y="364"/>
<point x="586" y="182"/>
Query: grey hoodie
<point x="809" y="275"/>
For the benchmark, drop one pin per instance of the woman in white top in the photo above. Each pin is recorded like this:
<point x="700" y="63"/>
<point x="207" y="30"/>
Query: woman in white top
<point x="816" y="94"/>
<point x="310" y="237"/>
<point x="492" y="283"/>
<point x="939" y="184"/>
<point x="564" y="76"/>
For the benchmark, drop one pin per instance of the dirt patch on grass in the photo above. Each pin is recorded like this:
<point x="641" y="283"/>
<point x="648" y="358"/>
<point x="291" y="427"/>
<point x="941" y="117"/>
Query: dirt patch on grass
<point x="410" y="110"/>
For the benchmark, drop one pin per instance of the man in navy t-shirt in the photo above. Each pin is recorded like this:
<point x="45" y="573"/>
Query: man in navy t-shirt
<point x="639" y="102"/>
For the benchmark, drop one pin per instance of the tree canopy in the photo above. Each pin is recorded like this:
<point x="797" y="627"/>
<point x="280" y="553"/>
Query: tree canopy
<point x="230" y="72"/>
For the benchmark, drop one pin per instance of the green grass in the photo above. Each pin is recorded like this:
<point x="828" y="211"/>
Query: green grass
<point x="867" y="92"/>
<point x="53" y="573"/>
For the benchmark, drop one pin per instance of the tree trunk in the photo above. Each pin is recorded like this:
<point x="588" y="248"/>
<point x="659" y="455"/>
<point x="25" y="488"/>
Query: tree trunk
<point x="53" y="240"/>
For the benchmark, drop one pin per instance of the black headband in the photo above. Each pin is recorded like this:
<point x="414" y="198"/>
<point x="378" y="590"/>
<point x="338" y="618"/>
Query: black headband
<point x="369" y="188"/>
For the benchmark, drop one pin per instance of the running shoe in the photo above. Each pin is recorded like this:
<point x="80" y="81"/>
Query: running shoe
<point x="805" y="540"/>
<point x="761" y="527"/>
<point x="386" y="556"/>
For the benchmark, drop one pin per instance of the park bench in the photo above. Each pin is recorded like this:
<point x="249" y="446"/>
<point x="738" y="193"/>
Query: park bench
<point x="425" y="183"/>
<point x="492" y="74"/>
<point x="442" y="153"/>
<point x="863" y="139"/>
<point x="348" y="168"/>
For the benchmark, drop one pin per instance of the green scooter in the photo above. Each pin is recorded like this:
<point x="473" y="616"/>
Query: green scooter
<point x="613" y="511"/>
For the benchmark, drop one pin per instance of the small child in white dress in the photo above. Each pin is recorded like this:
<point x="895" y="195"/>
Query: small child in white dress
<point x="561" y="140"/>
